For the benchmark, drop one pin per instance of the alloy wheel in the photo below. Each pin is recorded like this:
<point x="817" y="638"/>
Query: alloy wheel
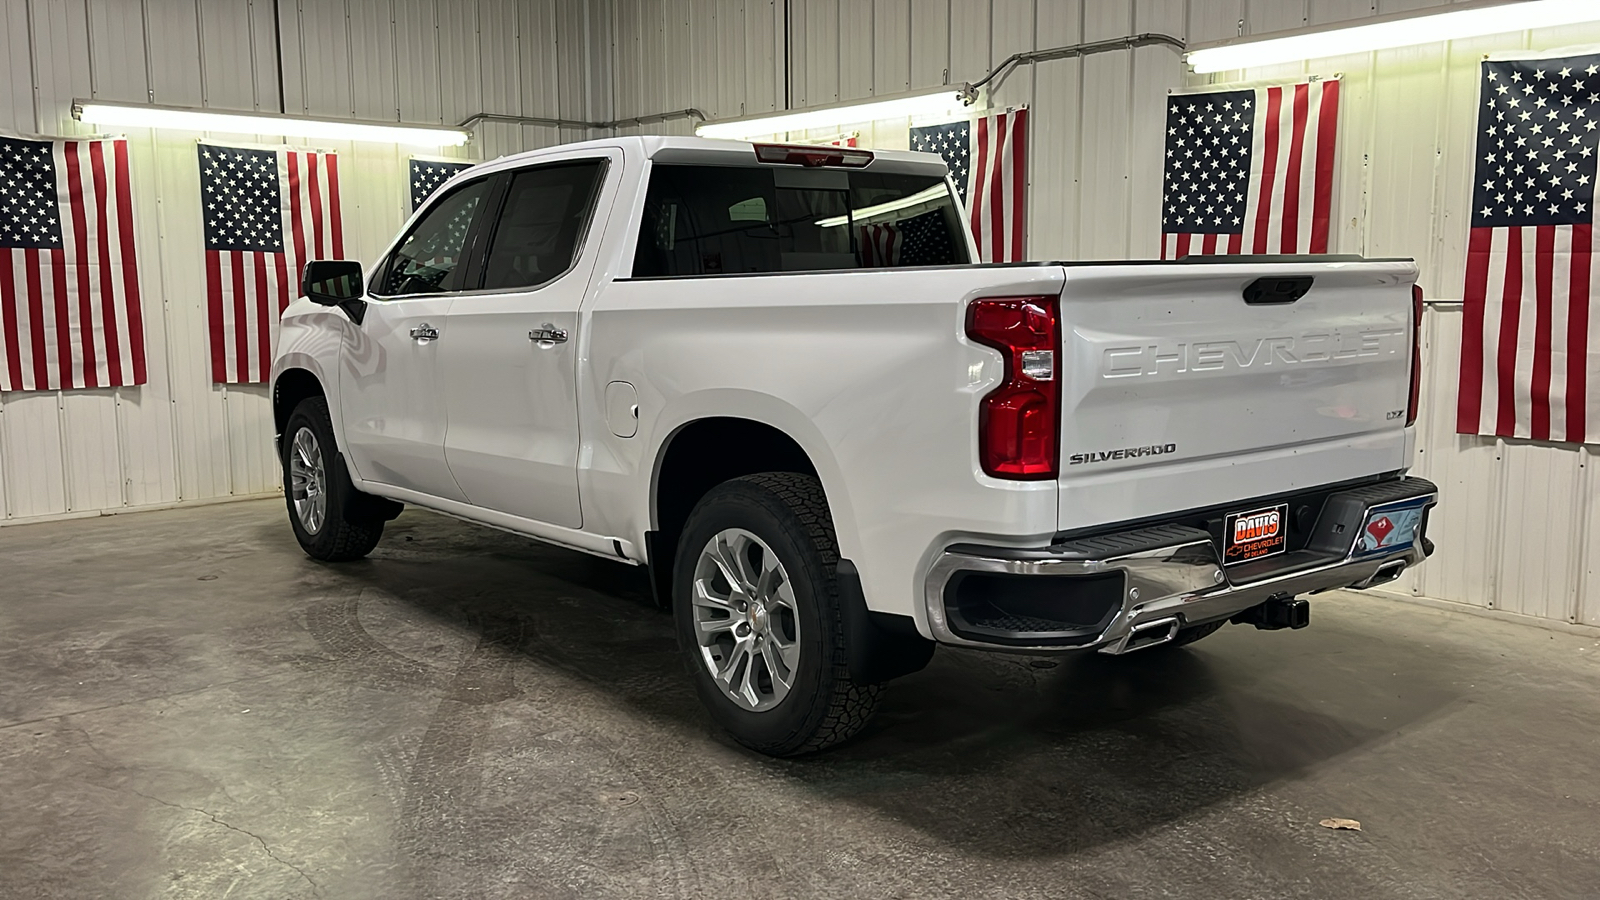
<point x="308" y="484"/>
<point x="746" y="619"/>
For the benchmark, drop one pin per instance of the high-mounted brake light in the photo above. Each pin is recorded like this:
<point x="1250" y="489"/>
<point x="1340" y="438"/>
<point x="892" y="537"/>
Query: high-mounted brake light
<point x="1018" y="421"/>
<point x="1416" y="354"/>
<point x="813" y="157"/>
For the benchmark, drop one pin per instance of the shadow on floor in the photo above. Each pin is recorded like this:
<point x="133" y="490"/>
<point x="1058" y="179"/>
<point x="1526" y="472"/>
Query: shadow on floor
<point x="1007" y="756"/>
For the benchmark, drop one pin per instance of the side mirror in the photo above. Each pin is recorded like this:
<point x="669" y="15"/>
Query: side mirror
<point x="335" y="282"/>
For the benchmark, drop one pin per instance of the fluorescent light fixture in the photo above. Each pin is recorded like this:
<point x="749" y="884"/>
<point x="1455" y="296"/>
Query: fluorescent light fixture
<point x="142" y="116"/>
<point x="944" y="103"/>
<point x="1394" y="31"/>
<point x="932" y="194"/>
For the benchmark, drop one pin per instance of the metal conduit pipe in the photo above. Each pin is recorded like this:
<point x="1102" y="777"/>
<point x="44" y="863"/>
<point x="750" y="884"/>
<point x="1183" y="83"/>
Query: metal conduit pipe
<point x="969" y="91"/>
<point x="689" y="113"/>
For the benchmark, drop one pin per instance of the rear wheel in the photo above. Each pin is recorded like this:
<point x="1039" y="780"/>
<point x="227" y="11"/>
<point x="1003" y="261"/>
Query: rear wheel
<point x="331" y="519"/>
<point x="758" y="617"/>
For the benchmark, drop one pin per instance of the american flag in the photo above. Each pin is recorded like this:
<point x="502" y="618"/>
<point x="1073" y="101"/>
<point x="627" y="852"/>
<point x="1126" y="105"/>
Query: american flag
<point x="988" y="160"/>
<point x="880" y="244"/>
<point x="1250" y="171"/>
<point x="69" y="286"/>
<point x="427" y="175"/>
<point x="1526" y="346"/>
<point x="267" y="212"/>
<point x="922" y="240"/>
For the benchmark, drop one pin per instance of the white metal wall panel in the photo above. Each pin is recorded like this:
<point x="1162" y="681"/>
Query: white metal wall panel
<point x="37" y="483"/>
<point x="416" y="41"/>
<point x="374" y="91"/>
<point x="117" y="57"/>
<point x="323" y="32"/>
<point x="971" y="36"/>
<point x="1322" y="12"/>
<point x="264" y="55"/>
<point x="1053" y="167"/>
<point x="1058" y="24"/>
<point x="172" y="36"/>
<point x="61" y="54"/>
<point x="891" y="46"/>
<point x="1107" y="19"/>
<point x="1274" y="15"/>
<point x="857" y="47"/>
<point x="930" y="43"/>
<point x="499" y="51"/>
<point x="1214" y="20"/>
<point x="726" y="70"/>
<point x="225" y="38"/>
<point x="90" y="437"/>
<point x="763" y="22"/>
<point x="1103" y="213"/>
<point x="821" y="57"/>
<point x="1013" y="30"/>
<point x="458" y="56"/>
<point x="179" y="437"/>
<point x="149" y="448"/>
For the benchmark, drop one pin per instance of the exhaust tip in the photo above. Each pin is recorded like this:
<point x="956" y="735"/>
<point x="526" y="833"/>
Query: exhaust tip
<point x="1386" y="573"/>
<point x="1148" y="634"/>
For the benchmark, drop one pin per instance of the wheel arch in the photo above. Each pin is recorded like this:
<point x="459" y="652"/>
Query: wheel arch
<point x="701" y="452"/>
<point x="292" y="386"/>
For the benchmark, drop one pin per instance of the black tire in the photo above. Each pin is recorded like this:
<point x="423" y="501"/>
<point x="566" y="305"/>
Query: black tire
<point x="788" y="512"/>
<point x="353" y="521"/>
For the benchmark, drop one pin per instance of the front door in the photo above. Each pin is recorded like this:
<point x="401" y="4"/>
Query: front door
<point x="391" y="391"/>
<point x="510" y="368"/>
<point x="390" y="396"/>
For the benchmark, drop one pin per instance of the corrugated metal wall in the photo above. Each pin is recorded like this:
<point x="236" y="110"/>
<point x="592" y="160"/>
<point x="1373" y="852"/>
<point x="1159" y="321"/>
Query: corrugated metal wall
<point x="1517" y="532"/>
<point x="181" y="438"/>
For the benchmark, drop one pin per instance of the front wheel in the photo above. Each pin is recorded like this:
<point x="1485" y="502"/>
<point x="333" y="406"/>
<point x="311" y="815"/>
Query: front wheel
<point x="325" y="509"/>
<point x="758" y="617"/>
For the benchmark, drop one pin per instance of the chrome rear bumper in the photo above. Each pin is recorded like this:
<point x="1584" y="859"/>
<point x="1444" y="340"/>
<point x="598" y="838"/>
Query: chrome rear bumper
<point x="1171" y="576"/>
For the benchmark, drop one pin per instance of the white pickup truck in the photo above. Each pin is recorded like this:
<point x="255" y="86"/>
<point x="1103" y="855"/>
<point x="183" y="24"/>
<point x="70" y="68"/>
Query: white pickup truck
<point x="775" y="376"/>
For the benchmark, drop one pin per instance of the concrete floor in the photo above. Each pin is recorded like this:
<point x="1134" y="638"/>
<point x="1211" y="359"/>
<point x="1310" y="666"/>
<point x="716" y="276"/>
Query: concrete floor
<point x="191" y="708"/>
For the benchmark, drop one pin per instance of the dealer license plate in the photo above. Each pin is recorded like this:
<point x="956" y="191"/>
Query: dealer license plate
<point x="1255" y="534"/>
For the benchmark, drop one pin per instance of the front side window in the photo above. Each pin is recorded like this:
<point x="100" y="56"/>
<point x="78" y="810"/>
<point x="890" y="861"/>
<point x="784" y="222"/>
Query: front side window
<point x="541" y="224"/>
<point x="713" y="220"/>
<point x="430" y="259"/>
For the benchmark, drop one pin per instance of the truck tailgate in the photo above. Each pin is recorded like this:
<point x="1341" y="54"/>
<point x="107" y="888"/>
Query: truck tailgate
<point x="1177" y="394"/>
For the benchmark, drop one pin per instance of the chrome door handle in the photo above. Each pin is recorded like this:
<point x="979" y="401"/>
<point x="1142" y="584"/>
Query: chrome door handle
<point x="424" y="333"/>
<point x="547" y="336"/>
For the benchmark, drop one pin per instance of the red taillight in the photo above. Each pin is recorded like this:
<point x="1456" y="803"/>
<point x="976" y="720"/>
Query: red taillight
<point x="1017" y="421"/>
<point x="811" y="157"/>
<point x="1416" y="354"/>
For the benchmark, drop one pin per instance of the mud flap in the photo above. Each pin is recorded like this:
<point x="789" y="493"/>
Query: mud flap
<point x="878" y="646"/>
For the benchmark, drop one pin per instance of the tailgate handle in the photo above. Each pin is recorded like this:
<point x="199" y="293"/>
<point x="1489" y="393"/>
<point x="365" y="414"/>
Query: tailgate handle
<point x="1276" y="289"/>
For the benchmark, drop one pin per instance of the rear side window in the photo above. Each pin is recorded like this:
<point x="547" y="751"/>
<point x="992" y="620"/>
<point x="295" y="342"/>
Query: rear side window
<point x="541" y="224"/>
<point x="430" y="258"/>
<point x="716" y="220"/>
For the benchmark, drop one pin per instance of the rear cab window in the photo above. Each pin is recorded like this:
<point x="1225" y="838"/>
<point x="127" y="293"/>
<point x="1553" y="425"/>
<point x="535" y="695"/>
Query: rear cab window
<point x="702" y="220"/>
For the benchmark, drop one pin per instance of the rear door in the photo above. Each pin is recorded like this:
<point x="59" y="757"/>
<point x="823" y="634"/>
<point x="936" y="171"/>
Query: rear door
<point x="510" y="369"/>
<point x="1179" y="393"/>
